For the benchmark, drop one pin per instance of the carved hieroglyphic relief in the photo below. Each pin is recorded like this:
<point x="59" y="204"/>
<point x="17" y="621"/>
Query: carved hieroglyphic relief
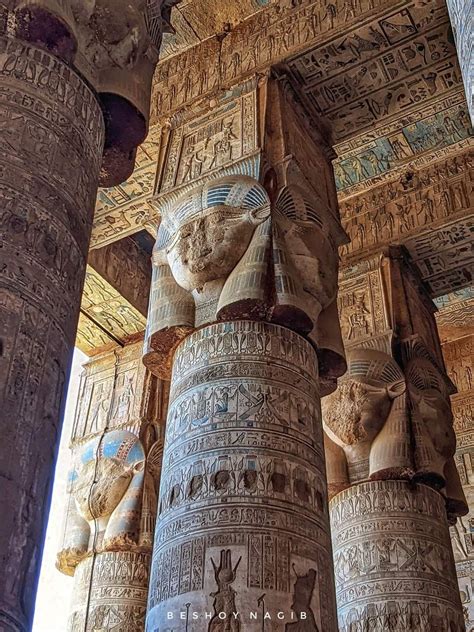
<point x="268" y="37"/>
<point x="455" y="318"/>
<point x="124" y="209"/>
<point x="102" y="583"/>
<point x="115" y="319"/>
<point x="427" y="210"/>
<point x="380" y="69"/>
<point x="112" y="491"/>
<point x="459" y="356"/>
<point x="50" y="146"/>
<point x="393" y="559"/>
<point x="196" y="20"/>
<point x="416" y="142"/>
<point x="243" y="514"/>
<point x="220" y="137"/>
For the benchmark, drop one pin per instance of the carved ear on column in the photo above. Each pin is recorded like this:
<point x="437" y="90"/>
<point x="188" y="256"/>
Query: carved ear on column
<point x="330" y="348"/>
<point x="248" y="292"/>
<point x="391" y="453"/>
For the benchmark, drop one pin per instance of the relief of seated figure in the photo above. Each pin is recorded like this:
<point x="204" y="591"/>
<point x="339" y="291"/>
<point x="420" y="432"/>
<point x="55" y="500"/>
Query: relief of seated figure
<point x="224" y="251"/>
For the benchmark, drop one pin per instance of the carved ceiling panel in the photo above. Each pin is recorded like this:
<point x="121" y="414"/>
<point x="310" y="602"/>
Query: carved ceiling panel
<point x="428" y="210"/>
<point x="106" y="317"/>
<point x="123" y="210"/>
<point x="380" y="69"/>
<point x="455" y="318"/>
<point x="197" y="20"/>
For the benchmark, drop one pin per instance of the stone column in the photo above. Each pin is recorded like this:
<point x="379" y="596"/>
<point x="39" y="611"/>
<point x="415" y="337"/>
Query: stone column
<point x="243" y="294"/>
<point x="393" y="559"/>
<point x="390" y="451"/>
<point x="244" y="524"/>
<point x="112" y="491"/>
<point x="52" y="139"/>
<point x="455" y="321"/>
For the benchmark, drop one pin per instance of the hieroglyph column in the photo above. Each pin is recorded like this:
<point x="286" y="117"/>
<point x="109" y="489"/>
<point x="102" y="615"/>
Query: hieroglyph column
<point x="390" y="448"/>
<point x="243" y="293"/>
<point x="51" y="144"/>
<point x="51" y="140"/>
<point x="110" y="508"/>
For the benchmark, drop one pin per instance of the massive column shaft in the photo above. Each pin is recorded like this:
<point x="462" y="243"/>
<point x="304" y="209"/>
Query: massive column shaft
<point x="246" y="258"/>
<point x="59" y="71"/>
<point x="390" y="448"/>
<point x="51" y="146"/>
<point x="393" y="559"/>
<point x="244" y="524"/>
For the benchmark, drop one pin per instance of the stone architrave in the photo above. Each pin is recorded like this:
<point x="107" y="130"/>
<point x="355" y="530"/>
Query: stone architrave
<point x="243" y="305"/>
<point x="53" y="136"/>
<point x="112" y="491"/>
<point x="390" y="447"/>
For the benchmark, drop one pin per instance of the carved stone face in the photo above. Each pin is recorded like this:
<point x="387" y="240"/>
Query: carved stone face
<point x="438" y="420"/>
<point x="356" y="412"/>
<point x="99" y="499"/>
<point x="209" y="247"/>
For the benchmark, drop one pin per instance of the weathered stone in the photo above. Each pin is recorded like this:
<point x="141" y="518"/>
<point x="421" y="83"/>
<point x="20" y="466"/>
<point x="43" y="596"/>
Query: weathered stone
<point x="51" y="147"/>
<point x="243" y="520"/>
<point x="393" y="559"/>
<point x="112" y="491"/>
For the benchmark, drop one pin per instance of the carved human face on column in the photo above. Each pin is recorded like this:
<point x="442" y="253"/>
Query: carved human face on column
<point x="107" y="485"/>
<point x="223" y="252"/>
<point x="355" y="414"/>
<point x="432" y="417"/>
<point x="207" y="247"/>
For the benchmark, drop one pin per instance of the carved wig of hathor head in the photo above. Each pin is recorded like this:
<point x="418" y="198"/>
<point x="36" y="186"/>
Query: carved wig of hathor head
<point x="385" y="423"/>
<point x="225" y="252"/>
